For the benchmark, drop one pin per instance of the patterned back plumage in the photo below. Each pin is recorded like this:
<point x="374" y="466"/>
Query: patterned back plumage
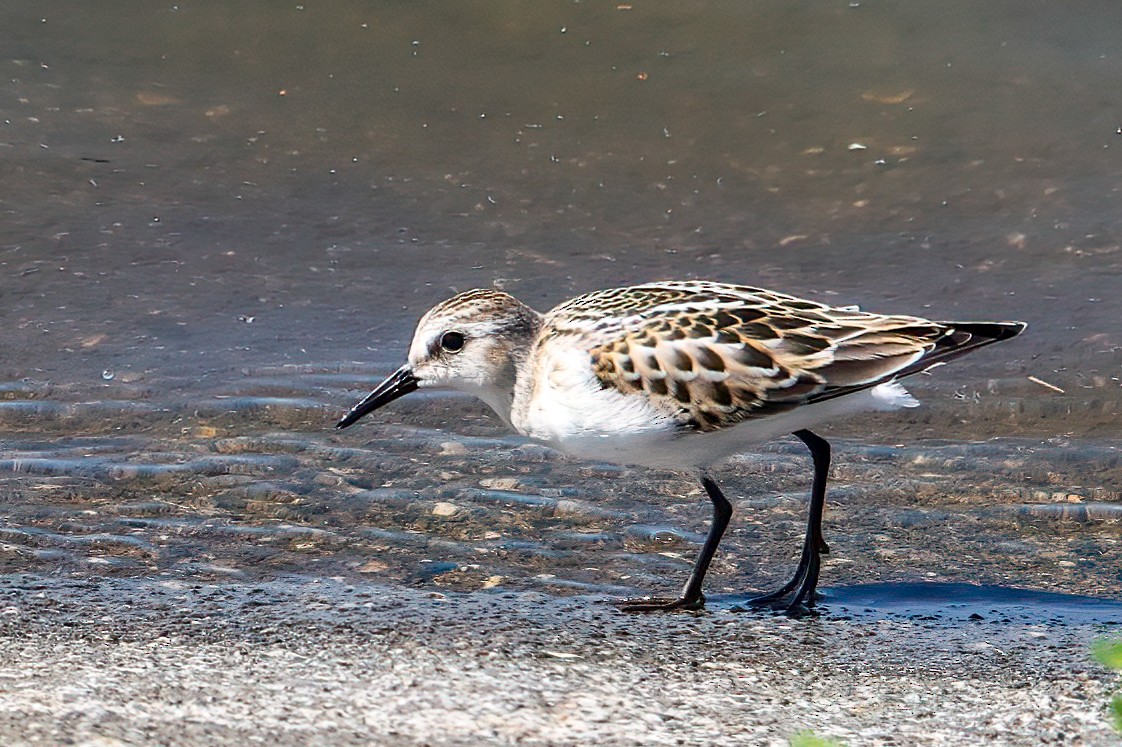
<point x="718" y="354"/>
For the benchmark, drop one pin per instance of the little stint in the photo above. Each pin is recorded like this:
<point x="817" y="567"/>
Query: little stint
<point x="680" y="375"/>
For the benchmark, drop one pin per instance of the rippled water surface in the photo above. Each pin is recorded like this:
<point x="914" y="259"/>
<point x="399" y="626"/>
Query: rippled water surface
<point x="219" y="223"/>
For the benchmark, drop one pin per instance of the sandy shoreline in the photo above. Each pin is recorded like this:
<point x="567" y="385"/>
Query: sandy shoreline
<point x="305" y="661"/>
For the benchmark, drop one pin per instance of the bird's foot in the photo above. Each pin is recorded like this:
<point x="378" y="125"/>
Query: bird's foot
<point x="797" y="605"/>
<point x="661" y="604"/>
<point x="796" y="598"/>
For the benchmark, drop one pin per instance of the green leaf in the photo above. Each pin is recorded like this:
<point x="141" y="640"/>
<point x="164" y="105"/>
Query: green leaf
<point x="1108" y="653"/>
<point x="1116" y="712"/>
<point x="810" y="739"/>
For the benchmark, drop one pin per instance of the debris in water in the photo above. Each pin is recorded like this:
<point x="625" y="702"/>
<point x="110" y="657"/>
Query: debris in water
<point x="1046" y="385"/>
<point x="562" y="655"/>
<point x="890" y="98"/>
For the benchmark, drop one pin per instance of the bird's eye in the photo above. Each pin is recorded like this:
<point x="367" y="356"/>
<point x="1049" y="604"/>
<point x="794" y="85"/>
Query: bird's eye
<point x="452" y="342"/>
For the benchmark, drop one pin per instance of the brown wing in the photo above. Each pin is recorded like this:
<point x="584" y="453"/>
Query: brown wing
<point x="717" y="355"/>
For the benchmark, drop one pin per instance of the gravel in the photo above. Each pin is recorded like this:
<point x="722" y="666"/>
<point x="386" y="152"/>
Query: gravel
<point x="299" y="661"/>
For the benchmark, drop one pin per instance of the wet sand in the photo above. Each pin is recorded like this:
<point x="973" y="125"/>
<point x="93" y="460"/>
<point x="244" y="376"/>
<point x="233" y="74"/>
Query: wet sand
<point x="299" y="662"/>
<point x="435" y="581"/>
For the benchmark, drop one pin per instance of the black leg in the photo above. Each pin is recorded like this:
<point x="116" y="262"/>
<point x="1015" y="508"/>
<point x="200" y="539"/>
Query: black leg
<point x="692" y="598"/>
<point x="814" y="545"/>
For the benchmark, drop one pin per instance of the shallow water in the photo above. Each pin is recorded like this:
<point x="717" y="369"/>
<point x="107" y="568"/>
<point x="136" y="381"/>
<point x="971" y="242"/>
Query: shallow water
<point x="219" y="226"/>
<point x="958" y="603"/>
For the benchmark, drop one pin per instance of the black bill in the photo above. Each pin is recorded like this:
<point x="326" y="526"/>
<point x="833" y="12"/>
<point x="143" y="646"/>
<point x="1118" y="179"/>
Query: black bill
<point x="400" y="382"/>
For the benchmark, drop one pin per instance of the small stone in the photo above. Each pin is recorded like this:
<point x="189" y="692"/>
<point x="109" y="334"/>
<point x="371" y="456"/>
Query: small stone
<point x="500" y="483"/>
<point x="443" y="508"/>
<point x="453" y="448"/>
<point x="373" y="566"/>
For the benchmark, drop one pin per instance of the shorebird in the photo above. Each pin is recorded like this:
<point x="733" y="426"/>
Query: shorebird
<point x="680" y="375"/>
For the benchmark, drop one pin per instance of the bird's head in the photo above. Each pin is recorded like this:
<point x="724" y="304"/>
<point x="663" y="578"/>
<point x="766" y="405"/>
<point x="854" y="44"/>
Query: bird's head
<point x="470" y="343"/>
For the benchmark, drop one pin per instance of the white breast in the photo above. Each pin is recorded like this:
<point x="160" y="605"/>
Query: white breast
<point x="565" y="406"/>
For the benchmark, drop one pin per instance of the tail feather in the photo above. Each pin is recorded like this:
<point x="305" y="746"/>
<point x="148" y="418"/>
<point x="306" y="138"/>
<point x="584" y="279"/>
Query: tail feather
<point x="960" y="338"/>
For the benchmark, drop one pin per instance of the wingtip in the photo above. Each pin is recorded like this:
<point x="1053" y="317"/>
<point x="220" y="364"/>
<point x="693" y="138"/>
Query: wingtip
<point x="1012" y="329"/>
<point x="990" y="331"/>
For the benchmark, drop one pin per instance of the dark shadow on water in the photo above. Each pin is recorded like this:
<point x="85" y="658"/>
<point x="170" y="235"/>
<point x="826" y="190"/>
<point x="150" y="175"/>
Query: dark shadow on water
<point x="955" y="603"/>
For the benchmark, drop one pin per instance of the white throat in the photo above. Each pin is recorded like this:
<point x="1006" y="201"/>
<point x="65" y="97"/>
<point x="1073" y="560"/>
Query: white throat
<point x="498" y="398"/>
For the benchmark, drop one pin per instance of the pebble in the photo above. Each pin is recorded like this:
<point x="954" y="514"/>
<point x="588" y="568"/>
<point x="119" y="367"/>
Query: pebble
<point x="443" y="508"/>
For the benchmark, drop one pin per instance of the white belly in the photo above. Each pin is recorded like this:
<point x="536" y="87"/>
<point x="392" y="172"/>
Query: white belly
<point x="569" y="410"/>
<point x="613" y="435"/>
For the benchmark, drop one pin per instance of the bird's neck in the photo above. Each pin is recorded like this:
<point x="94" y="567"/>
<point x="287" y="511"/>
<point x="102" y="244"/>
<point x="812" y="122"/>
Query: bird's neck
<point x="514" y="373"/>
